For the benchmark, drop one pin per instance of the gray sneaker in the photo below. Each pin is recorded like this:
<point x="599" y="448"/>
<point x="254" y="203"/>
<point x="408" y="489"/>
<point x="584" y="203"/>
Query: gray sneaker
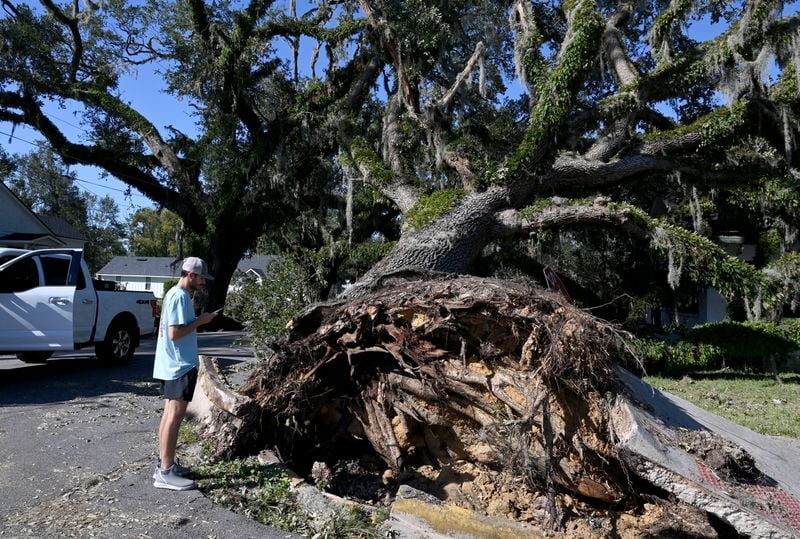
<point x="170" y="480"/>
<point x="177" y="468"/>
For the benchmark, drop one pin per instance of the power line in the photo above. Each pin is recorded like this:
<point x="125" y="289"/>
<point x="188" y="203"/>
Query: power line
<point x="9" y="135"/>
<point x="61" y="120"/>
<point x="125" y="191"/>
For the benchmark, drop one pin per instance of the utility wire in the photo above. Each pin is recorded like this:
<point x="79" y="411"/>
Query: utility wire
<point x="125" y="191"/>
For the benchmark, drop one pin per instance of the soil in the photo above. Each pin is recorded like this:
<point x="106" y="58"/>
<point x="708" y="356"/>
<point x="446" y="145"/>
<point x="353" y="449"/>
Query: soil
<point x="501" y="495"/>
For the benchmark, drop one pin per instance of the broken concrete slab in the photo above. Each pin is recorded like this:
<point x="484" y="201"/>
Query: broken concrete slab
<point x="668" y="441"/>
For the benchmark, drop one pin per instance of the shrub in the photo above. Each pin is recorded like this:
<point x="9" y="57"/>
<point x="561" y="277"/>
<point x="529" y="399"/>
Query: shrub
<point x="746" y="345"/>
<point x="791" y="327"/>
<point x="264" y="308"/>
<point x="659" y="356"/>
<point x="752" y="346"/>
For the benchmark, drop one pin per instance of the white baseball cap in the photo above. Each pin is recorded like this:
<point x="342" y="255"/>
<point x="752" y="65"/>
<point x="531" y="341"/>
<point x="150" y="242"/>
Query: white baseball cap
<point x="197" y="266"/>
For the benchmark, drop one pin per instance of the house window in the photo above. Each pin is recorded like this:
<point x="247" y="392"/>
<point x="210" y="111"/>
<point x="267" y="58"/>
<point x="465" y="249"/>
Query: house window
<point x="147" y="281"/>
<point x="119" y="278"/>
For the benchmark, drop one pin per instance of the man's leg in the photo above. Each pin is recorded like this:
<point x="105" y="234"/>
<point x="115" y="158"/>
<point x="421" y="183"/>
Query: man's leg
<point x="174" y="412"/>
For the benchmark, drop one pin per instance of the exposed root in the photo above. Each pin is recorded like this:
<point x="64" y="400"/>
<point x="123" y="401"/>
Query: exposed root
<point x="427" y="372"/>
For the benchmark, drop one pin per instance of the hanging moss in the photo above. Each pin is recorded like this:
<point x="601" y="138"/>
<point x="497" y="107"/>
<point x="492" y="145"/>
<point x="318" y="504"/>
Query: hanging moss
<point x="365" y="157"/>
<point x="700" y="259"/>
<point x="429" y="207"/>
<point x="691" y="257"/>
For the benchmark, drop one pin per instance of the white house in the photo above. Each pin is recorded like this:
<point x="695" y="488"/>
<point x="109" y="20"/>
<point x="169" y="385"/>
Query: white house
<point x="150" y="273"/>
<point x="21" y="228"/>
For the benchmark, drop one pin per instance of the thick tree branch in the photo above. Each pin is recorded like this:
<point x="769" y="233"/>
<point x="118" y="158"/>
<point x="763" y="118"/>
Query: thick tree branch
<point x="618" y="59"/>
<point x="554" y="104"/>
<point x="108" y="160"/>
<point x="667" y="150"/>
<point x="443" y="103"/>
<point x="626" y="74"/>
<point x="384" y="36"/>
<point x="137" y="123"/>
<point x="569" y="172"/>
<point x="72" y="24"/>
<point x="361" y="86"/>
<point x="513" y="222"/>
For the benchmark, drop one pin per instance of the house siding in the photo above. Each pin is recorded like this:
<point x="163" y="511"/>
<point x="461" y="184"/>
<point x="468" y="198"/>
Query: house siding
<point x="131" y="273"/>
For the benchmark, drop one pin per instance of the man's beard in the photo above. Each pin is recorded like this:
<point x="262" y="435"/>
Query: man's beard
<point x="194" y="287"/>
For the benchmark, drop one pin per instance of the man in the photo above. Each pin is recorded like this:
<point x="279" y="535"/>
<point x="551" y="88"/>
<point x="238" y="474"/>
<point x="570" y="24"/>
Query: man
<point x="176" y="365"/>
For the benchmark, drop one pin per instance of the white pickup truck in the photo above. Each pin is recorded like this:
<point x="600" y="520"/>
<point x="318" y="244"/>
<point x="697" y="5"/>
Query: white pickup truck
<point x="49" y="303"/>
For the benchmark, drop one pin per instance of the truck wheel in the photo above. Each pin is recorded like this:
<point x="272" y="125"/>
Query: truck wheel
<point x="118" y="347"/>
<point x="34" y="357"/>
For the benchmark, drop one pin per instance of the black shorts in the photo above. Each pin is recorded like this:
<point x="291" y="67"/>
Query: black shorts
<point x="180" y="389"/>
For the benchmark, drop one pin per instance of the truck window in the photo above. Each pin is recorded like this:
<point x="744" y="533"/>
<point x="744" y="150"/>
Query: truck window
<point x="56" y="270"/>
<point x="19" y="277"/>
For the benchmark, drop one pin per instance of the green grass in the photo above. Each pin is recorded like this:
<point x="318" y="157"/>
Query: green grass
<point x="187" y="435"/>
<point x="260" y="492"/>
<point x="755" y="401"/>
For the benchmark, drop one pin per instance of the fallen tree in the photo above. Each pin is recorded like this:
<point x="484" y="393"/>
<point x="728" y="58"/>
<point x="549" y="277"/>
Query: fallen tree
<point x="499" y="396"/>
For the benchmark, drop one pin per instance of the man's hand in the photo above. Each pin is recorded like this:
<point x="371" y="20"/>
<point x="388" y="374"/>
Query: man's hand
<point x="205" y="318"/>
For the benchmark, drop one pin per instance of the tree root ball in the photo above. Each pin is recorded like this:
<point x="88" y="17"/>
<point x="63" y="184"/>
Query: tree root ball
<point x="432" y="372"/>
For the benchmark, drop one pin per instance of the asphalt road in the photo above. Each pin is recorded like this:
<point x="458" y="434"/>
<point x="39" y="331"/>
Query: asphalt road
<point x="78" y="446"/>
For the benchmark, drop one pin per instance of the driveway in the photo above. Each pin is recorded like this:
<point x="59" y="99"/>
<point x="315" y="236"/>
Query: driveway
<point x="78" y="446"/>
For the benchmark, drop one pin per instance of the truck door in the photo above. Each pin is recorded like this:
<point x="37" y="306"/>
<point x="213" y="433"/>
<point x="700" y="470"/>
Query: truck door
<point x="85" y="312"/>
<point x="37" y="300"/>
<point x="55" y="266"/>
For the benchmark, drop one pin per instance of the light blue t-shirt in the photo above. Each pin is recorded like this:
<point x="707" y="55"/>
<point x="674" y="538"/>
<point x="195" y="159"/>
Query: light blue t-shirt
<point x="175" y="358"/>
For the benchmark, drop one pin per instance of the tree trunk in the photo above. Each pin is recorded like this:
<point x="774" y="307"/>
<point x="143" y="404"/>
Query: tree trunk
<point x="449" y="243"/>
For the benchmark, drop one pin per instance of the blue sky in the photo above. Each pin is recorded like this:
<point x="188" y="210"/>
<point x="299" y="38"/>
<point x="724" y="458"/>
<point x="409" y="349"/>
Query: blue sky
<point x="142" y="88"/>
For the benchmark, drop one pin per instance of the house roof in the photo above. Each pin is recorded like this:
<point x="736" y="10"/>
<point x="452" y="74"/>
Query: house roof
<point x="26" y="236"/>
<point x="19" y="225"/>
<point x="170" y="268"/>
<point x="61" y="228"/>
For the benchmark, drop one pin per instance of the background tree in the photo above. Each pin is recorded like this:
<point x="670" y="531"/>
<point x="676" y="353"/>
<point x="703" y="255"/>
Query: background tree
<point x="46" y="185"/>
<point x="153" y="232"/>
<point x="106" y="232"/>
<point x="259" y="159"/>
